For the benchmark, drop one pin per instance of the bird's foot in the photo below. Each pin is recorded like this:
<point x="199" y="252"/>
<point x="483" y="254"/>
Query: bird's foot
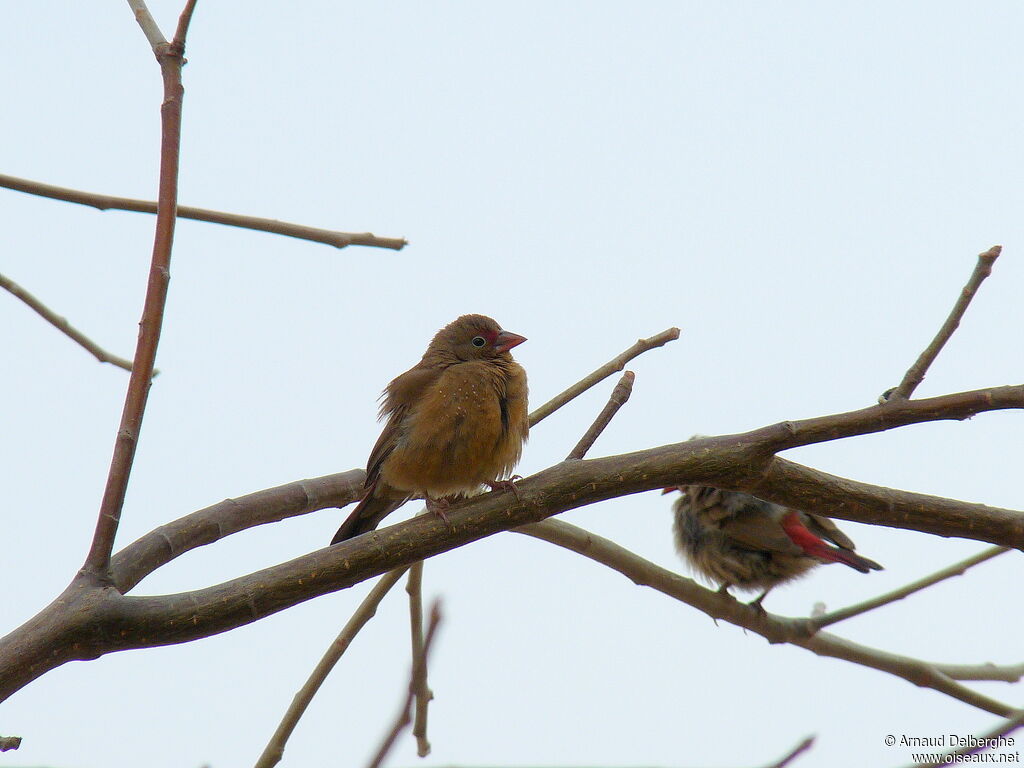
<point x="506" y="485"/>
<point x="440" y="508"/>
<point x="756" y="603"/>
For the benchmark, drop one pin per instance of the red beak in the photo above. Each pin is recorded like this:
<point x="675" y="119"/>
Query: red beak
<point x="506" y="340"/>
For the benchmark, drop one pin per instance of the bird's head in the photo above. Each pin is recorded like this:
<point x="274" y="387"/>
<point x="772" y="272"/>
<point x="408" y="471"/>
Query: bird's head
<point x="474" y="337"/>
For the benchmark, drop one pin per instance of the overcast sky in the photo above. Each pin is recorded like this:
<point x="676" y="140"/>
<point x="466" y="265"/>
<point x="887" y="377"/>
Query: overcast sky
<point x="801" y="187"/>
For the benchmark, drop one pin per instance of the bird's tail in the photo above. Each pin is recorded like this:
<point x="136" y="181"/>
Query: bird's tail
<point x="366" y="516"/>
<point x="815" y="547"/>
<point x="852" y="559"/>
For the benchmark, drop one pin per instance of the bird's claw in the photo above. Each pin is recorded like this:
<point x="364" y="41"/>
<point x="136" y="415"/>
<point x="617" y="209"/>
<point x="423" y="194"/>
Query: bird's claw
<point x="506" y="485"/>
<point x="440" y="508"/>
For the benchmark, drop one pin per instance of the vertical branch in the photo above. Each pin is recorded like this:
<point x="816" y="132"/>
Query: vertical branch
<point x="419" y="661"/>
<point x="170" y="56"/>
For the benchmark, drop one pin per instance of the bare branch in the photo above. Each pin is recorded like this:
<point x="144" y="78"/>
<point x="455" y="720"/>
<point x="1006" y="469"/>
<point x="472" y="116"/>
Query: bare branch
<point x="776" y="629"/>
<point x="148" y="24"/>
<point x="957" y="569"/>
<point x="274" y="750"/>
<point x="915" y="375"/>
<point x="620" y="394"/>
<point x="794" y="753"/>
<point x="158" y="547"/>
<point x="87" y="621"/>
<point x="8" y="743"/>
<point x="1007" y="673"/>
<point x="273" y="226"/>
<point x="62" y="325"/>
<point x="183" y="21"/>
<point x="405" y="716"/>
<point x="602" y="373"/>
<point x="170" y="57"/>
<point x="993" y="739"/>
<point x="414" y="588"/>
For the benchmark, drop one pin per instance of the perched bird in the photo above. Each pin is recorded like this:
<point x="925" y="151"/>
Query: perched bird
<point x="456" y="421"/>
<point x="741" y="541"/>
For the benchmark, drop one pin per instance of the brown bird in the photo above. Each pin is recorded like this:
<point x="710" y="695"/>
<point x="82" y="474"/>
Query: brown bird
<point x="738" y="540"/>
<point x="456" y="421"/>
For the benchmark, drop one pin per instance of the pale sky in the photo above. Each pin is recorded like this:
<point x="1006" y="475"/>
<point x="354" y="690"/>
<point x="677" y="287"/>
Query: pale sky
<point x="801" y="187"/>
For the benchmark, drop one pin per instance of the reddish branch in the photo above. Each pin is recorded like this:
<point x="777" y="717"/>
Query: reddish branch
<point x="170" y="56"/>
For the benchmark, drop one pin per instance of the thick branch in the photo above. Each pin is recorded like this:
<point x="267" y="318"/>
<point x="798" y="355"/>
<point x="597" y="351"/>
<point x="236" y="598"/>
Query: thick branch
<point x="62" y="325"/>
<point x="915" y="375"/>
<point x="85" y="623"/>
<point x="288" y="229"/>
<point x="158" y="547"/>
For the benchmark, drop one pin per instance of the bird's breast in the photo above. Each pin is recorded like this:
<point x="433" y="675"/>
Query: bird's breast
<point x="466" y="429"/>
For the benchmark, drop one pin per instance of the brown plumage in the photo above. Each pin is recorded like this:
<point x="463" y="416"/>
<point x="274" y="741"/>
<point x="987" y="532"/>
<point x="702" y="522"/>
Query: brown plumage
<point x="456" y="421"/>
<point x="738" y="540"/>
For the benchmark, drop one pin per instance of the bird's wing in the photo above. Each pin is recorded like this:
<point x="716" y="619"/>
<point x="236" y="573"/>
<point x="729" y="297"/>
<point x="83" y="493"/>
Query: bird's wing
<point x="826" y="529"/>
<point x="760" y="532"/>
<point x="399" y="397"/>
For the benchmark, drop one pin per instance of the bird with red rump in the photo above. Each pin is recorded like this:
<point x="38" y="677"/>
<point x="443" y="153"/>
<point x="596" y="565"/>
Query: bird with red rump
<point x="738" y="540"/>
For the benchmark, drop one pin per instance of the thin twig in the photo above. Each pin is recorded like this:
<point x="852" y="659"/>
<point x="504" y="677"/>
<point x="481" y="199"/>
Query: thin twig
<point x="170" y="57"/>
<point x="1006" y="673"/>
<point x="957" y="569"/>
<point x="915" y="375"/>
<point x="148" y="24"/>
<point x="993" y="739"/>
<point x="9" y="742"/>
<point x="620" y="394"/>
<point x="602" y="373"/>
<point x="62" y="325"/>
<point x="405" y="715"/>
<point x="794" y="753"/>
<point x="274" y="750"/>
<point x="414" y="588"/>
<point x="108" y="202"/>
<point x="776" y="629"/>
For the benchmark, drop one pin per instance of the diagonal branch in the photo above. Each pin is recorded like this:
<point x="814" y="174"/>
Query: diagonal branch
<point x="602" y="373"/>
<point x="957" y="569"/>
<point x="618" y="398"/>
<point x="207" y="526"/>
<point x="915" y="375"/>
<point x="405" y="716"/>
<point x="274" y="750"/>
<point x="62" y="325"/>
<point x="86" y="622"/>
<point x="109" y="202"/>
<point x="993" y="739"/>
<point x="794" y="753"/>
<point x="776" y="629"/>
<point x="170" y="57"/>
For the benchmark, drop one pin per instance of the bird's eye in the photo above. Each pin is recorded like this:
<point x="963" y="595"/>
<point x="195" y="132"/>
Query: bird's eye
<point x="479" y="341"/>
